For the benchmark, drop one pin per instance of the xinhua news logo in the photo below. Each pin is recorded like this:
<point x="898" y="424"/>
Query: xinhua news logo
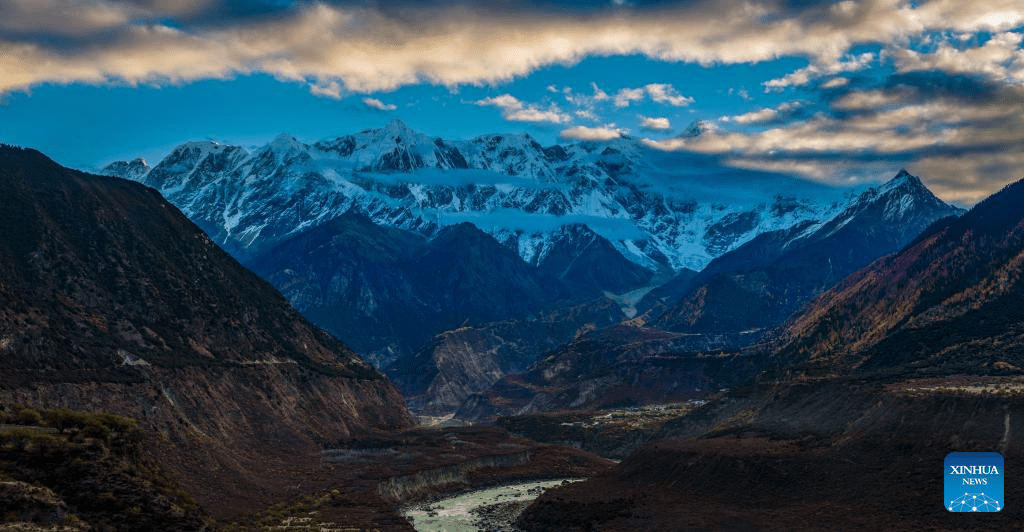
<point x="974" y="482"/>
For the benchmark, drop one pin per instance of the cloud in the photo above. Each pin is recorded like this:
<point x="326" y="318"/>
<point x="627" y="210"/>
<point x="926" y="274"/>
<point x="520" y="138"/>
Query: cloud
<point x="655" y="124"/>
<point x="940" y="131"/>
<point x="515" y="110"/>
<point x="786" y="110"/>
<point x="625" y="96"/>
<point x="586" y="105"/>
<point x="1000" y="59"/>
<point x="835" y="83"/>
<point x="607" y="132"/>
<point x="331" y="89"/>
<point x="366" y="48"/>
<point x="742" y="92"/>
<point x="665" y="93"/>
<point x="804" y="75"/>
<point x="658" y="92"/>
<point x="377" y="104"/>
<point x="80" y="18"/>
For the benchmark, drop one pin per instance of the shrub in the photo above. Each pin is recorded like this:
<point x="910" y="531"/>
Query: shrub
<point x="92" y="424"/>
<point x="23" y="415"/>
<point x="25" y="439"/>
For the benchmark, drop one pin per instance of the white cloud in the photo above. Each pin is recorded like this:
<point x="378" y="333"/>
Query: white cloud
<point x="515" y="110"/>
<point x="607" y="132"/>
<point x="761" y="116"/>
<point x="586" y="105"/>
<point x="655" y="124"/>
<point x="658" y="92"/>
<point x="835" y="83"/>
<point x="753" y="117"/>
<point x="665" y="93"/>
<point x="625" y="96"/>
<point x="742" y="92"/>
<point x="377" y="104"/>
<point x="331" y="89"/>
<point x="804" y="75"/>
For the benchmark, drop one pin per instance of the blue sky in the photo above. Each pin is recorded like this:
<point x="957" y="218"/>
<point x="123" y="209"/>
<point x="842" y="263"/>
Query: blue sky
<point x="836" y="92"/>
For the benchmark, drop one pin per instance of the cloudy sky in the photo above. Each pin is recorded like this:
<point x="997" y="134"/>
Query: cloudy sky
<point x="839" y="92"/>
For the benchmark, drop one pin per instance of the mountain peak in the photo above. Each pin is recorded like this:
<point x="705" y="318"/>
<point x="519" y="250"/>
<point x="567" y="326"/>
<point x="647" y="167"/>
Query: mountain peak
<point x="696" y="129"/>
<point x="396" y="126"/>
<point x="902" y="179"/>
<point x="285" y="141"/>
<point x="135" y="169"/>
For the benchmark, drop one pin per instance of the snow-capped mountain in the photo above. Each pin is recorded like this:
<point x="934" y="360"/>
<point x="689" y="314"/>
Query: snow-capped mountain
<point x="661" y="211"/>
<point x="761" y="283"/>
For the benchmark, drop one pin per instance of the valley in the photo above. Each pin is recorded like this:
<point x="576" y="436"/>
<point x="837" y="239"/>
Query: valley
<point x="765" y="386"/>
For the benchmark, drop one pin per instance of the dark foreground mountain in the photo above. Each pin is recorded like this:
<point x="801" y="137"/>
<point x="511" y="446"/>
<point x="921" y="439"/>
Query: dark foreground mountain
<point x="763" y="282"/>
<point x="847" y="426"/>
<point x="113" y="300"/>
<point x="873" y="463"/>
<point x="387" y="291"/>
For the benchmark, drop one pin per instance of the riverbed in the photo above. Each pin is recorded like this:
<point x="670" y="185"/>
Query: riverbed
<point x="492" y="509"/>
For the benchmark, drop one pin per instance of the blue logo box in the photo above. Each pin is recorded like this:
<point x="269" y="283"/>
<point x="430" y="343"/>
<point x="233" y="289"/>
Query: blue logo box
<point x="973" y="482"/>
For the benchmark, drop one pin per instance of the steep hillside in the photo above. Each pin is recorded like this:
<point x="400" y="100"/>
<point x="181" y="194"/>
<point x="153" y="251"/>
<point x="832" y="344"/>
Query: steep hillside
<point x="949" y="302"/>
<point x="113" y="300"/>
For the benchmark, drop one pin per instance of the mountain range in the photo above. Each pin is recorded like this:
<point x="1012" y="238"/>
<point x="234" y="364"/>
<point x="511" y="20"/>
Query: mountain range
<point x="662" y="211"/>
<point x="601" y="219"/>
<point x="367" y="235"/>
<point x="685" y="345"/>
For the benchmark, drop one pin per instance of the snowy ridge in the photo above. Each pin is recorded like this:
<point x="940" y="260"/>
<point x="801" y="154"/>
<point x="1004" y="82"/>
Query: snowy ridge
<point x="660" y="211"/>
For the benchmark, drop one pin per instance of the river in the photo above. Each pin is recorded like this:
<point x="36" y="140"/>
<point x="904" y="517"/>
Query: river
<point x="492" y="509"/>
